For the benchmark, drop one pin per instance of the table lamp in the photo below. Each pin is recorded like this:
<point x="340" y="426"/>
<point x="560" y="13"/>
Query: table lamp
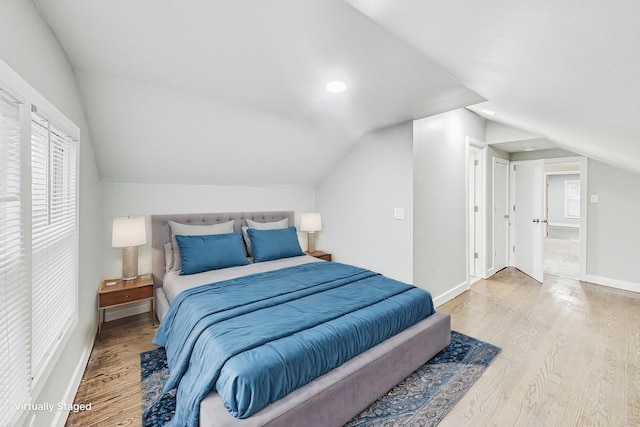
<point x="128" y="233"/>
<point x="311" y="222"/>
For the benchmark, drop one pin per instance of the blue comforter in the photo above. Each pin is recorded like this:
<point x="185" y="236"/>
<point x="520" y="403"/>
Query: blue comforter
<point x="256" y="338"/>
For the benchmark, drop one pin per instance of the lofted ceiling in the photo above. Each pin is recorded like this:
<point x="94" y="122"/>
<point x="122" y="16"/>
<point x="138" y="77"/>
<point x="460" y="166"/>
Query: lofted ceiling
<point x="233" y="92"/>
<point x="564" y="70"/>
<point x="517" y="146"/>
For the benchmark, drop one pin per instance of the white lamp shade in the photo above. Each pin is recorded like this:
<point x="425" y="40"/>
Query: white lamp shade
<point x="129" y="231"/>
<point x="311" y="221"/>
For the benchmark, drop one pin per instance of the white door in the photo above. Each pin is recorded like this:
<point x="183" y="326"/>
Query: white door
<point x="528" y="217"/>
<point x="500" y="214"/>
<point x="473" y="210"/>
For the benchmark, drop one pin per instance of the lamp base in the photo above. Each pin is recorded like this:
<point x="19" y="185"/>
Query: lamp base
<point x="129" y="263"/>
<point x="310" y="241"/>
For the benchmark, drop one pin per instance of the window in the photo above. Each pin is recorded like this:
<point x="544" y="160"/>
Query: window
<point x="572" y="199"/>
<point x="14" y="305"/>
<point x="39" y="252"/>
<point x="53" y="238"/>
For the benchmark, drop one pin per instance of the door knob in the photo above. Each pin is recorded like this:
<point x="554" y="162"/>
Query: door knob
<point x="506" y="217"/>
<point x="544" y="221"/>
<point x="536" y="220"/>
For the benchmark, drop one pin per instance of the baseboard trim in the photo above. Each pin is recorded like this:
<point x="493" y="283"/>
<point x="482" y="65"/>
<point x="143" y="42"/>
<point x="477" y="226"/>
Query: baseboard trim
<point x="450" y="294"/>
<point x="490" y="272"/>
<point x="613" y="283"/>
<point x="74" y="383"/>
<point x="559" y="224"/>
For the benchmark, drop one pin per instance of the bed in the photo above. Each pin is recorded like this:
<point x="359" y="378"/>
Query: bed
<point x="336" y="396"/>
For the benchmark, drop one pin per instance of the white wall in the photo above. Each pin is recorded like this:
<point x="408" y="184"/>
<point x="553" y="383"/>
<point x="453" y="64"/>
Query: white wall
<point x="613" y="239"/>
<point x="31" y="50"/>
<point x="122" y="199"/>
<point x="439" y="198"/>
<point x="357" y="201"/>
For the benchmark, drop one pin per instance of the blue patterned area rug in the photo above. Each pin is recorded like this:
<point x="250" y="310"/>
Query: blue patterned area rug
<point x="422" y="399"/>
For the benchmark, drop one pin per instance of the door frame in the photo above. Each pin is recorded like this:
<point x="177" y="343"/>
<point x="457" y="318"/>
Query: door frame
<point x="482" y="246"/>
<point x="582" y="275"/>
<point x="496" y="160"/>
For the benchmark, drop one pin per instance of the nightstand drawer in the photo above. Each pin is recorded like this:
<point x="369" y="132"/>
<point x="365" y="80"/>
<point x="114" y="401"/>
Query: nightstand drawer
<point x="126" y="295"/>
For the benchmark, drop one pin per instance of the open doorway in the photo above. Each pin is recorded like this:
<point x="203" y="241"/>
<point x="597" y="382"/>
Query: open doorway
<point x="528" y="226"/>
<point x="542" y="243"/>
<point x="563" y="215"/>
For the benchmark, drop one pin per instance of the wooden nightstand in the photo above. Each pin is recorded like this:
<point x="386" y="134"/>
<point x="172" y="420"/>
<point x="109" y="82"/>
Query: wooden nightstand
<point x="116" y="292"/>
<point x="319" y="254"/>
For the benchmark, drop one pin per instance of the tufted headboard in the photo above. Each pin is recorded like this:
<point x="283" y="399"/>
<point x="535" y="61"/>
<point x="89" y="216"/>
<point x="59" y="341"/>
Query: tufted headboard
<point x="161" y="233"/>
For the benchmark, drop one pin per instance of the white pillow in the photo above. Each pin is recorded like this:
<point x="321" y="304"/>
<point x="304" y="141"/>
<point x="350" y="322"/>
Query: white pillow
<point x="178" y="229"/>
<point x="168" y="257"/>
<point x="276" y="225"/>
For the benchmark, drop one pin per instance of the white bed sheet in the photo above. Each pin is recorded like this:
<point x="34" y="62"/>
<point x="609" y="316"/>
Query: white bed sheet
<point x="173" y="283"/>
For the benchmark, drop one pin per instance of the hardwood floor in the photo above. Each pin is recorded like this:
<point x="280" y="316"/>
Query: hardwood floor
<point x="570" y="357"/>
<point x="570" y="353"/>
<point x="111" y="381"/>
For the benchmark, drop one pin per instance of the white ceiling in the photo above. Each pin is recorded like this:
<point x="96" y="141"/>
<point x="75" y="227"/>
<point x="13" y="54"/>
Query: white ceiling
<point x="232" y="92"/>
<point x="512" y="140"/>
<point x="565" y="70"/>
<point x="533" y="144"/>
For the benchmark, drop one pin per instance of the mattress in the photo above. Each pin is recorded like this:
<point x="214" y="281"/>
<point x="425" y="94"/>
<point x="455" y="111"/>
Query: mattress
<point x="174" y="283"/>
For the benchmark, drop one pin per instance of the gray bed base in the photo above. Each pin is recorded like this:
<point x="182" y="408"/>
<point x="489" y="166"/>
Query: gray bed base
<point x="335" y="398"/>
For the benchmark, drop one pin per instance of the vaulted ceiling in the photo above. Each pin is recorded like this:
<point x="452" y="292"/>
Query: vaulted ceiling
<point x="233" y="92"/>
<point x="564" y="70"/>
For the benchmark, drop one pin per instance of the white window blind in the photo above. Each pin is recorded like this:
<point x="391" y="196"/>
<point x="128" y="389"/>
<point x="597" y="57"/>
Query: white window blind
<point x="53" y="238"/>
<point x="15" y="377"/>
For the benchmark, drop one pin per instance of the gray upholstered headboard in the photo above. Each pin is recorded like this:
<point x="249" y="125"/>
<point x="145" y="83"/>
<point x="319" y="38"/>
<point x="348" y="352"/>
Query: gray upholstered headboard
<point x="161" y="233"/>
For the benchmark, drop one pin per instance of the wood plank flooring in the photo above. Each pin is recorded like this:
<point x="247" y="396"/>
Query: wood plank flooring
<point x="570" y="353"/>
<point x="111" y="381"/>
<point x="570" y="357"/>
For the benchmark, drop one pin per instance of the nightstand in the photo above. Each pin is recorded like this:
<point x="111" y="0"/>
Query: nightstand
<point x="117" y="292"/>
<point x="319" y="254"/>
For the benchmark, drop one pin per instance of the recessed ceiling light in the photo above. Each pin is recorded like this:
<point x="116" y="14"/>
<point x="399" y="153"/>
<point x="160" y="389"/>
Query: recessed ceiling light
<point x="529" y="149"/>
<point x="489" y="112"/>
<point x="336" y="87"/>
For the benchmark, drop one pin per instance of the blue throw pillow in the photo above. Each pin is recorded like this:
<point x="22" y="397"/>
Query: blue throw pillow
<point x="268" y="245"/>
<point x="211" y="252"/>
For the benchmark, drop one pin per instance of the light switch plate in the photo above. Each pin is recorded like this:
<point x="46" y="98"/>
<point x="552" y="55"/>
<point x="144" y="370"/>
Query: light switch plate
<point x="398" y="213"/>
<point x="594" y="198"/>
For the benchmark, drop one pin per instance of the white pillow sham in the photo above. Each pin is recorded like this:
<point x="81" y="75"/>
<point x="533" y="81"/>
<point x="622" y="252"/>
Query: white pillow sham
<point x="168" y="257"/>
